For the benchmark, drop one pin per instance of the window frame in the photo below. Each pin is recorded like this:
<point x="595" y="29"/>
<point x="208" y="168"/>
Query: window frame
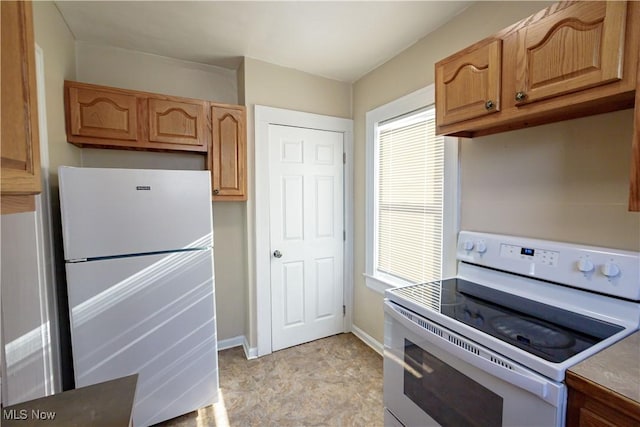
<point x="413" y="102"/>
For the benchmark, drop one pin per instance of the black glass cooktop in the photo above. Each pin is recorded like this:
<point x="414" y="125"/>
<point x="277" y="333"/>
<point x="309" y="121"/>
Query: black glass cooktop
<point x="549" y="332"/>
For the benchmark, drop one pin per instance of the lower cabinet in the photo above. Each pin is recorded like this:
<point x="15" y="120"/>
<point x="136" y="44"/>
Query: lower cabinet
<point x="592" y="405"/>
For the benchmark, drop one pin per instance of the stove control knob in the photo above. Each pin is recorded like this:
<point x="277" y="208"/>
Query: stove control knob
<point x="585" y="265"/>
<point x="610" y="269"/>
<point x="481" y="247"/>
<point x="467" y="245"/>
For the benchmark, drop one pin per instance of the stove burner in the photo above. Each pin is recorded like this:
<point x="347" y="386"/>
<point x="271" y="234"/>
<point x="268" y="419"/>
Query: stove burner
<point x="532" y="332"/>
<point x="518" y="321"/>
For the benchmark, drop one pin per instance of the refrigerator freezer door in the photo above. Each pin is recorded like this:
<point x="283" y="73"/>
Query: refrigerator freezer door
<point x="111" y="212"/>
<point x="152" y="315"/>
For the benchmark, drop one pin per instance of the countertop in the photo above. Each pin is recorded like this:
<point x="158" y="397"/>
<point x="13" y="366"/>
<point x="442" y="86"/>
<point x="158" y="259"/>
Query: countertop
<point x="616" y="367"/>
<point x="107" y="404"/>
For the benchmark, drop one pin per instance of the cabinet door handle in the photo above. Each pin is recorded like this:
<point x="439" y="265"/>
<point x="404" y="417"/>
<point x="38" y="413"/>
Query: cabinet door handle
<point x="520" y="96"/>
<point x="216" y="191"/>
<point x="489" y="105"/>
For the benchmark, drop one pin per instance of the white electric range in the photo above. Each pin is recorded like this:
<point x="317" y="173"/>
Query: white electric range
<point x="490" y="347"/>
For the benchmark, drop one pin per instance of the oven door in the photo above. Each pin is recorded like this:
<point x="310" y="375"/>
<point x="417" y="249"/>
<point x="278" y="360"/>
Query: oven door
<point x="435" y="377"/>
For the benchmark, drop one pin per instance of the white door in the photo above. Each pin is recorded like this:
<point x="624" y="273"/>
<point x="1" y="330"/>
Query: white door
<point x="306" y="220"/>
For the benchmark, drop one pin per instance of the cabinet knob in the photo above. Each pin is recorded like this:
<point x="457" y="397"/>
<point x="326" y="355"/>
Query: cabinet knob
<point x="489" y="105"/>
<point x="277" y="254"/>
<point x="216" y="191"/>
<point x="520" y="96"/>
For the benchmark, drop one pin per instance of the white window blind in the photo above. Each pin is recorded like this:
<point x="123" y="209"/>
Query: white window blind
<point x="409" y="198"/>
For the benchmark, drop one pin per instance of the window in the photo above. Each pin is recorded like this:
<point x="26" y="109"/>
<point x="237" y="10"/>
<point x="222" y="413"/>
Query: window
<point x="411" y="194"/>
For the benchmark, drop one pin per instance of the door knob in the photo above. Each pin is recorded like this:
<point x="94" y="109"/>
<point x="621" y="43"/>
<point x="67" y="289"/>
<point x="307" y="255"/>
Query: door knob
<point x="277" y="254"/>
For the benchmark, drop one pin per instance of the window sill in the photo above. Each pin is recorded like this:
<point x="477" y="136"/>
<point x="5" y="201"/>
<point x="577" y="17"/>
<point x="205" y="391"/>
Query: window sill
<point x="377" y="284"/>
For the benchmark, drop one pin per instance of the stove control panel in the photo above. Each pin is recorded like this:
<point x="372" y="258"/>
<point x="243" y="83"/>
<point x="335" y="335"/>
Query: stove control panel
<point x="533" y="255"/>
<point x="610" y="271"/>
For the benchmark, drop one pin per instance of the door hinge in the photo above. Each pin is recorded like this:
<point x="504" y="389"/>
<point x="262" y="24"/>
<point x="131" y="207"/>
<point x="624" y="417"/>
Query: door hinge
<point x="344" y="235"/>
<point x="344" y="310"/>
<point x="344" y="158"/>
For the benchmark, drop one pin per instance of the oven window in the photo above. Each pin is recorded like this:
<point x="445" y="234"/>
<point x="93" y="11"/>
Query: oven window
<point x="449" y="397"/>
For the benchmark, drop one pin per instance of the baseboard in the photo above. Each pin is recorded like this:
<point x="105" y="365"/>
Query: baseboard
<point x="252" y="352"/>
<point x="231" y="342"/>
<point x="368" y="340"/>
<point x="249" y="352"/>
<point x="239" y="341"/>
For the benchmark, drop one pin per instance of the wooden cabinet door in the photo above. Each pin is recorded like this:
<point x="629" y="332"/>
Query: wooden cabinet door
<point x="577" y="48"/>
<point x="102" y="114"/>
<point x="20" y="144"/>
<point x="228" y="152"/>
<point x="468" y="83"/>
<point x="175" y="122"/>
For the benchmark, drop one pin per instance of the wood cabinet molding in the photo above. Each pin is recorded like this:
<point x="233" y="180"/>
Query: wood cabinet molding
<point x="17" y="204"/>
<point x="20" y="143"/>
<point x="107" y="117"/>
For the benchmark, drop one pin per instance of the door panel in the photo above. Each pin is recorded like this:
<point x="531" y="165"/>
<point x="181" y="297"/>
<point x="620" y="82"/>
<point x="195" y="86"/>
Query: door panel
<point x="306" y="211"/>
<point x="292" y="220"/>
<point x="293" y="279"/>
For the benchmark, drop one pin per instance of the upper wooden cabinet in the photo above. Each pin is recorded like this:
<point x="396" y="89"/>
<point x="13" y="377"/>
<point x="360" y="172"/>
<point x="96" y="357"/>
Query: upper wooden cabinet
<point x="101" y="116"/>
<point x="228" y="152"/>
<point x="20" y="144"/>
<point x="175" y="122"/>
<point x="570" y="60"/>
<point x="577" y="48"/>
<point x="468" y="83"/>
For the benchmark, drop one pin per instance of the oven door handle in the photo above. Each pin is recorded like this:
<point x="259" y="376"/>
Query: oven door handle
<point x="529" y="381"/>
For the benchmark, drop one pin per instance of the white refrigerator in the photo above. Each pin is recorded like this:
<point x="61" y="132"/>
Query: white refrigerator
<point x="138" y="248"/>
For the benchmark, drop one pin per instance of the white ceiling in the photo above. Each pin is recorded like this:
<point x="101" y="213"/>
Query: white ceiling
<point x="339" y="40"/>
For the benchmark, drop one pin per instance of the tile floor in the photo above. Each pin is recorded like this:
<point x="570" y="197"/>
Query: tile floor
<point x="335" y="381"/>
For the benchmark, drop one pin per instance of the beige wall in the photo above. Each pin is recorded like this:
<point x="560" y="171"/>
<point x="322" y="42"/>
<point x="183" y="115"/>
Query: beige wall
<point x="275" y="86"/>
<point x="58" y="45"/>
<point x="565" y="181"/>
<point x="140" y="71"/>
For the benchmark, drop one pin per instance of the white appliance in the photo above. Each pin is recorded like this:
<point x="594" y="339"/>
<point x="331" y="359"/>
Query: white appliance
<point x="490" y="347"/>
<point x="138" y="247"/>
